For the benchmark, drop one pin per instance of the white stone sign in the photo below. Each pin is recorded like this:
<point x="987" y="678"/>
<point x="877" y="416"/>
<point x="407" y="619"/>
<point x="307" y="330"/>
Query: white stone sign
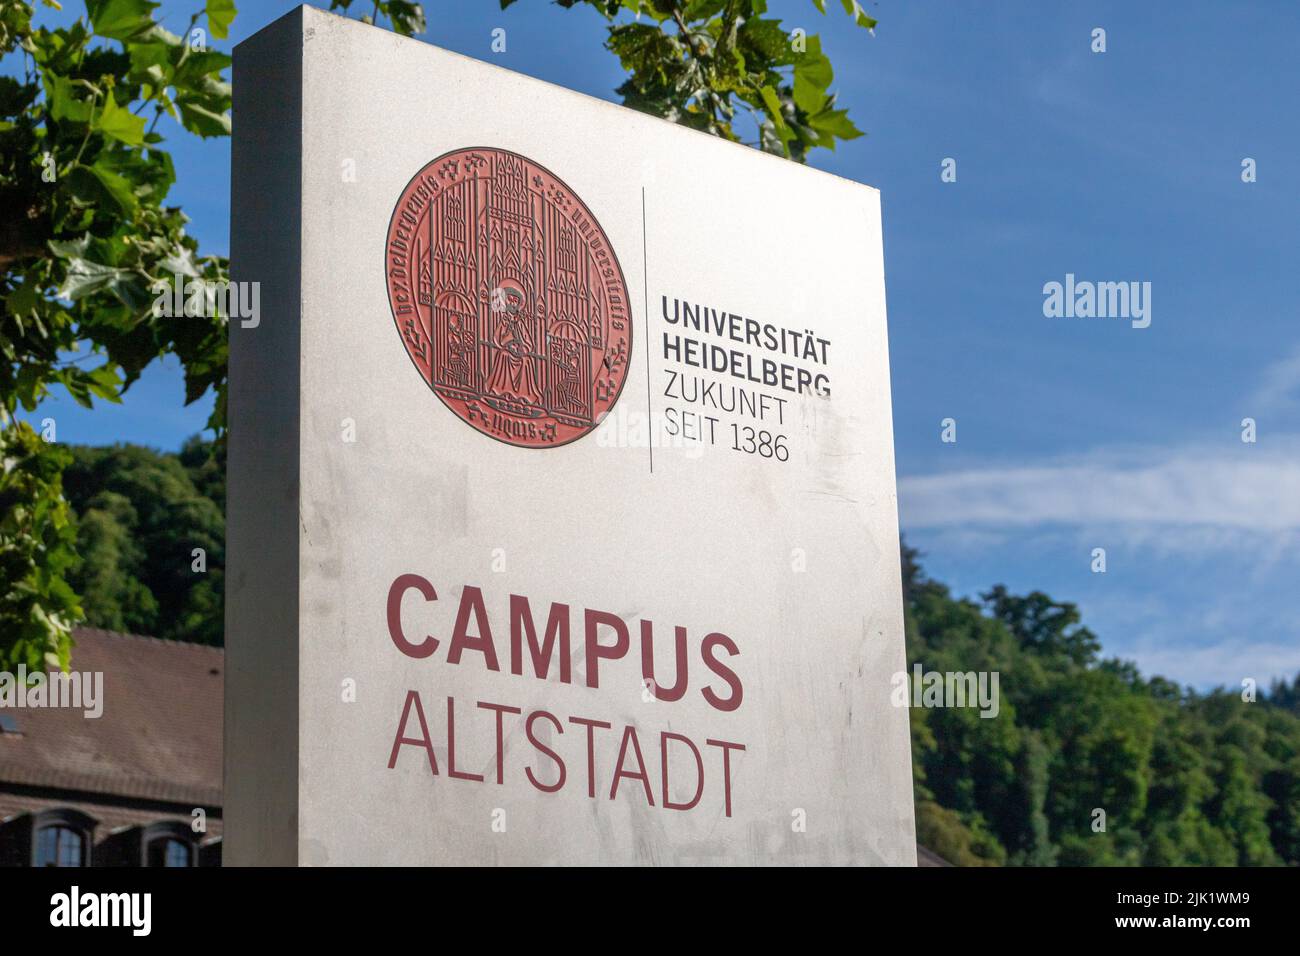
<point x="562" y="517"/>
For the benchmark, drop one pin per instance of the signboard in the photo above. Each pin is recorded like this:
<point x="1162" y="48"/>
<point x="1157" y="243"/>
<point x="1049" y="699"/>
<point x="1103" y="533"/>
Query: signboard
<point x="562" y="517"/>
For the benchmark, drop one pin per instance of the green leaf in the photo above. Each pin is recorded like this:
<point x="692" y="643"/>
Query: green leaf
<point x="220" y="15"/>
<point x="98" y="183"/>
<point x="181" y="263"/>
<point x="854" y="9"/>
<point x="199" y="65"/>
<point x="29" y="386"/>
<point x="836" y="123"/>
<point x="151" y="62"/>
<point x="61" y="96"/>
<point x="120" y="123"/>
<point x="22" y="300"/>
<point x="198" y="117"/>
<point x="407" y="18"/>
<point x="703" y="9"/>
<point x="105" y="382"/>
<point x="813" y="66"/>
<point x="86" y="278"/>
<point x="70" y="248"/>
<point x="120" y="19"/>
<point x="767" y="38"/>
<point x="773" y="108"/>
<point x="808" y="97"/>
<point x="158" y="34"/>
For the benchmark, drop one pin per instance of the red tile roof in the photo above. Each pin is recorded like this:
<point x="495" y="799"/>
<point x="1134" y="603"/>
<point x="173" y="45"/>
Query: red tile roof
<point x="160" y="734"/>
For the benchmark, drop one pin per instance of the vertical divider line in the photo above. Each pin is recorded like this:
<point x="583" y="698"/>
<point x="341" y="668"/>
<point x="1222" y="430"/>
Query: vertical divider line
<point x="645" y="285"/>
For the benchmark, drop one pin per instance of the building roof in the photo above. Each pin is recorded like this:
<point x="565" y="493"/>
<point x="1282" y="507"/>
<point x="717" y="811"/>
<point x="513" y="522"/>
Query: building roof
<point x="926" y="857"/>
<point x="159" y="737"/>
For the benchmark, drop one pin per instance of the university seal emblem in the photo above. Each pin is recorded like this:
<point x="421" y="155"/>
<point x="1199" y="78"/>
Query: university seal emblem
<point x="508" y="297"/>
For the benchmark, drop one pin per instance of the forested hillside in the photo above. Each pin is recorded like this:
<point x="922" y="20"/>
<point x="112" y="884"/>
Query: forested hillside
<point x="1183" y="778"/>
<point x="140" y="516"/>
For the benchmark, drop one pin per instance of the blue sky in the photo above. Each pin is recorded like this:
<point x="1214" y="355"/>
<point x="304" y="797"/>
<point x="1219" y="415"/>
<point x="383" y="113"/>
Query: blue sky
<point x="1072" y="434"/>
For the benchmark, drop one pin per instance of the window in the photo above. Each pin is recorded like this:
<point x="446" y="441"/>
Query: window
<point x="59" y="846"/>
<point x="171" y="852"/>
<point x="61" y="836"/>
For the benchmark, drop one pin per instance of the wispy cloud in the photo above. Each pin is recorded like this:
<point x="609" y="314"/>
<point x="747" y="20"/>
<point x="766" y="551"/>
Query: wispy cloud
<point x="1203" y="544"/>
<point x="1223" y="664"/>
<point x="1251" y="487"/>
<point x="1279" y="384"/>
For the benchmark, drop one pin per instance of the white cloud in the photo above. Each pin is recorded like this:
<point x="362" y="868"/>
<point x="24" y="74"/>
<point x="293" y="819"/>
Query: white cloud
<point x="1224" y="664"/>
<point x="1233" y="487"/>
<point x="1203" y="545"/>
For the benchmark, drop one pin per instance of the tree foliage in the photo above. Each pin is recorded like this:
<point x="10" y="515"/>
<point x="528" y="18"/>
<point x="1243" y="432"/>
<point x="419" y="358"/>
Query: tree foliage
<point x="141" y="515"/>
<point x="710" y="64"/>
<point x="1184" y="779"/>
<point x="88" y="240"/>
<point x="86" y="232"/>
<point x="38" y="608"/>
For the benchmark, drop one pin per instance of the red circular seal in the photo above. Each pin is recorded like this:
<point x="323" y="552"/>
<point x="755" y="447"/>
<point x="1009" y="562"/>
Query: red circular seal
<point x="508" y="297"/>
